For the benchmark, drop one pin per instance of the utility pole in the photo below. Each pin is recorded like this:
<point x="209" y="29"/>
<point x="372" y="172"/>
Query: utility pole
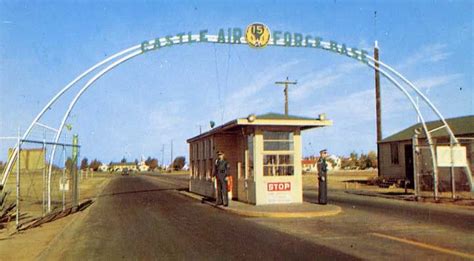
<point x="286" y="92"/>
<point x="163" y="155"/>
<point x="378" y="106"/>
<point x="171" y="161"/>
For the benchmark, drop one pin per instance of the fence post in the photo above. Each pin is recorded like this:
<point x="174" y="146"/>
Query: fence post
<point x="63" y="180"/>
<point x="45" y="193"/>
<point x="451" y="169"/>
<point x="17" y="218"/>
<point x="75" y="141"/>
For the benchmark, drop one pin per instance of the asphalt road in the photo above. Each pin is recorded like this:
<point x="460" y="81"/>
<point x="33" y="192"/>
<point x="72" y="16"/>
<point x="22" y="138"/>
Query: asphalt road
<point x="428" y="213"/>
<point x="377" y="228"/>
<point x="145" y="218"/>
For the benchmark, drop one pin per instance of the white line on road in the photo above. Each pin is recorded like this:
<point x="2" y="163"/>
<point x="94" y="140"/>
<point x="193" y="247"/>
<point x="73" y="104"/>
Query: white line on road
<point x="427" y="246"/>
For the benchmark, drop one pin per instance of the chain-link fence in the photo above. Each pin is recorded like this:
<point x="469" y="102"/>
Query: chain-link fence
<point x="39" y="184"/>
<point x="453" y="182"/>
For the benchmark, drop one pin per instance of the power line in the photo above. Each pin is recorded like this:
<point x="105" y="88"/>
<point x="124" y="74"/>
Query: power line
<point x="217" y="81"/>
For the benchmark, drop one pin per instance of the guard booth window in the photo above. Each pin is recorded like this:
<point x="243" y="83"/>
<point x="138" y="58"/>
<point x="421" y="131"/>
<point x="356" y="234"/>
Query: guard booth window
<point x="278" y="155"/>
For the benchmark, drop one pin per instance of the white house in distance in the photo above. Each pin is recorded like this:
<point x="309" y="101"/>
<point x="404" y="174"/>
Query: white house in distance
<point x="104" y="167"/>
<point x="118" y="167"/>
<point x="142" y="167"/>
<point x="310" y="164"/>
<point x="264" y="153"/>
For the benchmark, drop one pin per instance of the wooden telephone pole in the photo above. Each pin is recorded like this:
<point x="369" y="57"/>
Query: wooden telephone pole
<point x="378" y="107"/>
<point x="286" y="92"/>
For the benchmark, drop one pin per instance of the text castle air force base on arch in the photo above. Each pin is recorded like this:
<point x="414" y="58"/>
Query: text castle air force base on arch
<point x="256" y="35"/>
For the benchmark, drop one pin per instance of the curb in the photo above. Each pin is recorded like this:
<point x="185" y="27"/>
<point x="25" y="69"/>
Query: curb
<point x="261" y="214"/>
<point x="409" y="198"/>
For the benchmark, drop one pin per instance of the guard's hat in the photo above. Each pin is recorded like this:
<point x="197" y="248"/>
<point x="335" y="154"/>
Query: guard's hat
<point x="219" y="152"/>
<point x="323" y="151"/>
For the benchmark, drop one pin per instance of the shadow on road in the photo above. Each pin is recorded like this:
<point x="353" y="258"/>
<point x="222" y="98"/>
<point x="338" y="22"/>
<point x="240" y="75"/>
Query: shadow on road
<point x="135" y="192"/>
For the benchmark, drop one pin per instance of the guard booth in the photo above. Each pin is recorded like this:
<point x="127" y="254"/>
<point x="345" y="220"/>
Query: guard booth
<point x="264" y="154"/>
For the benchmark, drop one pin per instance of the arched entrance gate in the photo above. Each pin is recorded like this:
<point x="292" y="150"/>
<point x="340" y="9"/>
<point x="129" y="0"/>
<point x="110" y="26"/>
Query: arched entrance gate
<point x="256" y="35"/>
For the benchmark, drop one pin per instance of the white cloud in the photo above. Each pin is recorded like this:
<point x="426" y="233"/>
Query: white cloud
<point x="164" y="117"/>
<point x="325" y="78"/>
<point x="435" y="81"/>
<point x="426" y="54"/>
<point x="359" y="107"/>
<point x="364" y="45"/>
<point x="249" y="97"/>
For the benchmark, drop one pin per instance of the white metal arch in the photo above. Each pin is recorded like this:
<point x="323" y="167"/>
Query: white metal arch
<point x="137" y="50"/>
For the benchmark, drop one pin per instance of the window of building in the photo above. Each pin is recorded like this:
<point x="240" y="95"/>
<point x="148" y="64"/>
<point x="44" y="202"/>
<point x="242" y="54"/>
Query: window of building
<point x="250" y="156"/>
<point x="394" y="153"/>
<point x="277" y="141"/>
<point x="278" y="158"/>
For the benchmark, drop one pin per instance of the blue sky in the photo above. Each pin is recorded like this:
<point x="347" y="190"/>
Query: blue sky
<point x="166" y="94"/>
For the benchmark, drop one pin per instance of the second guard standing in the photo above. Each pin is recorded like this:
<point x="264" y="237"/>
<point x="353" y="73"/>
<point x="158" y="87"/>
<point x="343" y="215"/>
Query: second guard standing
<point x="221" y="172"/>
<point x="322" y="177"/>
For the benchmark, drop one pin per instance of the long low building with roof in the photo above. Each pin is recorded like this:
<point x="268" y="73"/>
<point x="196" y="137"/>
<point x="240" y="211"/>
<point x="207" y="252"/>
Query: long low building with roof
<point x="396" y="154"/>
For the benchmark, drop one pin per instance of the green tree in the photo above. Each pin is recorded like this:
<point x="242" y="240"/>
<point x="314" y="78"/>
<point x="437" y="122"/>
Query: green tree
<point x="124" y="160"/>
<point x="178" y="163"/>
<point x="69" y="164"/>
<point x="372" y="157"/>
<point x="351" y="162"/>
<point x="152" y="163"/>
<point x="95" y="164"/>
<point x="148" y="161"/>
<point x="84" y="164"/>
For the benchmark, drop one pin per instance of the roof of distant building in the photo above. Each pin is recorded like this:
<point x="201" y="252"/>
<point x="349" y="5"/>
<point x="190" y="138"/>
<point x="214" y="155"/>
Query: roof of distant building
<point x="460" y="126"/>
<point x="309" y="161"/>
<point x="279" y="116"/>
<point x="123" y="164"/>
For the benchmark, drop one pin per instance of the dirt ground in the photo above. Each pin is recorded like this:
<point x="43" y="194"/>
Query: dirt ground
<point x="345" y="179"/>
<point x="38" y="239"/>
<point x="355" y="181"/>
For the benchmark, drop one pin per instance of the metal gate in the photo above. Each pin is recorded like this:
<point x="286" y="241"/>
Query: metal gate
<point x="32" y="185"/>
<point x="452" y="179"/>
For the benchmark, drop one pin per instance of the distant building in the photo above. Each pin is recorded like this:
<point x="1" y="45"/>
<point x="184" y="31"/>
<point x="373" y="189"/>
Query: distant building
<point x="104" y="167"/>
<point x="396" y="154"/>
<point x="186" y="167"/>
<point x="118" y="167"/>
<point x="30" y="159"/>
<point x="333" y="159"/>
<point x="310" y="164"/>
<point x="142" y="166"/>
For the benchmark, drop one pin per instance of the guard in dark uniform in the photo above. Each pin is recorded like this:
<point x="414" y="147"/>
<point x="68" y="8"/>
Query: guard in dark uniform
<point x="221" y="172"/>
<point x="322" y="178"/>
